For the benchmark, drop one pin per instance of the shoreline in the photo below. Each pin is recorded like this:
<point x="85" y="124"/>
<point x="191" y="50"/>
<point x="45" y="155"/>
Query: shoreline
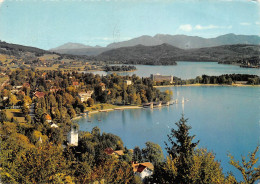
<point x="88" y="113"/>
<point x="99" y="70"/>
<point x="200" y="85"/>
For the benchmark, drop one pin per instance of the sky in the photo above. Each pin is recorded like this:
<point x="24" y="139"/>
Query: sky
<point x="50" y="23"/>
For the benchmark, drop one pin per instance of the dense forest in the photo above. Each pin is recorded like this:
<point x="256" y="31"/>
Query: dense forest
<point x="226" y="79"/>
<point x="116" y="68"/>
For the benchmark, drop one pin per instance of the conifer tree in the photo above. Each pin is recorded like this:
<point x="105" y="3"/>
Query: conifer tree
<point x="181" y="148"/>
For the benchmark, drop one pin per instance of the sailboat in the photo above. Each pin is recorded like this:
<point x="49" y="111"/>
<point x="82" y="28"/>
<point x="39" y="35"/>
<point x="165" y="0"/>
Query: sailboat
<point x="182" y="100"/>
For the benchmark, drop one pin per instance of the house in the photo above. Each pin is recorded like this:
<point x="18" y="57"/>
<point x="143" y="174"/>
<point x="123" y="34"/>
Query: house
<point x="54" y="89"/>
<point x="84" y="96"/>
<point x="44" y="74"/>
<point x="161" y="78"/>
<point x="143" y="169"/>
<point x="26" y="85"/>
<point x="76" y="84"/>
<point x="48" y="118"/>
<point x="39" y="94"/>
<point x="17" y="87"/>
<point x="109" y="151"/>
<point x="119" y="152"/>
<point x="103" y="86"/>
<point x="128" y="82"/>
<point x="54" y="125"/>
<point x="73" y="136"/>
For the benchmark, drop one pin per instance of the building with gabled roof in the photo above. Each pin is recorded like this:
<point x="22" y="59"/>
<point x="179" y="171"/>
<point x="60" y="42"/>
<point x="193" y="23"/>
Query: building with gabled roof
<point x="143" y="170"/>
<point x="48" y="118"/>
<point x="109" y="151"/>
<point x="103" y="86"/>
<point x="84" y="96"/>
<point x="39" y="94"/>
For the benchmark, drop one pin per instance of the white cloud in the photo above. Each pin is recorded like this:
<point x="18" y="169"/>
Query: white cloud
<point x="1" y="1"/>
<point x="199" y="27"/>
<point x="245" y="23"/>
<point x="185" y="27"/>
<point x="257" y="23"/>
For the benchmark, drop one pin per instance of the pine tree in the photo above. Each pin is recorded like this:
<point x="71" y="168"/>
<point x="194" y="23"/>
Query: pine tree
<point x="181" y="149"/>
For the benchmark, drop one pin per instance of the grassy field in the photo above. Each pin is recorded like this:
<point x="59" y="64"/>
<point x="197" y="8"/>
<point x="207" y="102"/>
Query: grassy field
<point x="97" y="107"/>
<point x="16" y="114"/>
<point x="48" y="57"/>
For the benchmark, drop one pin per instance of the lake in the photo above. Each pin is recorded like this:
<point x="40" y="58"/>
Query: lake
<point x="224" y="119"/>
<point x="187" y="70"/>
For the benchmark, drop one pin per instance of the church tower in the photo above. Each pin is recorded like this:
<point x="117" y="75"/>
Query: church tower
<point x="73" y="136"/>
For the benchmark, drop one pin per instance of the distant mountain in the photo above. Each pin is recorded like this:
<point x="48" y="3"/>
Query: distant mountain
<point x="79" y="49"/>
<point x="189" y="42"/>
<point x="70" y="45"/>
<point x="180" y="41"/>
<point x="142" y="54"/>
<point x="142" y="40"/>
<point x="83" y="51"/>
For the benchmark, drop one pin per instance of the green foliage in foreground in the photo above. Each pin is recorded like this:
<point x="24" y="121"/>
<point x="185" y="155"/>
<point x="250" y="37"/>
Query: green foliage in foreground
<point x="186" y="164"/>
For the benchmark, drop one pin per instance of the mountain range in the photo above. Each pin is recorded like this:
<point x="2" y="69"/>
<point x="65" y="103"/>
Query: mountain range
<point x="167" y="54"/>
<point x="164" y="54"/>
<point x="180" y="41"/>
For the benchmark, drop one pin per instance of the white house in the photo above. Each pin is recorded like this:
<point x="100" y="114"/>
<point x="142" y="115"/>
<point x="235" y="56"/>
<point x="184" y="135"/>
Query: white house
<point x="84" y="96"/>
<point x="143" y="169"/>
<point x="54" y="126"/>
<point x="73" y="136"/>
<point x="128" y="82"/>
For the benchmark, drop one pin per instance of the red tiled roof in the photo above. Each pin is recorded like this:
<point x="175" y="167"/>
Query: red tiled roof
<point x="39" y="94"/>
<point x="109" y="151"/>
<point x="140" y="168"/>
<point x="75" y="83"/>
<point x="47" y="117"/>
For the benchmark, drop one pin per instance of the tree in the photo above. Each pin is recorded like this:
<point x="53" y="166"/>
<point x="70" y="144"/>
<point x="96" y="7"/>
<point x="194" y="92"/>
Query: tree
<point x="90" y="102"/>
<point x="137" y="156"/>
<point x="12" y="100"/>
<point x="250" y="173"/>
<point x="27" y="100"/>
<point x="182" y="149"/>
<point x="205" y="168"/>
<point x="184" y="164"/>
<point x="138" y="99"/>
<point x="152" y="153"/>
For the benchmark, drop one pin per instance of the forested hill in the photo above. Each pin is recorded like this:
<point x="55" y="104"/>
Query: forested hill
<point x="140" y="53"/>
<point x="16" y="50"/>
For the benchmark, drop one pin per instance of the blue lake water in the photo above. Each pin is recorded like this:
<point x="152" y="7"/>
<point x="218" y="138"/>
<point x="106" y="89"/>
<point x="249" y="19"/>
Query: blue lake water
<point x="224" y="119"/>
<point x="187" y="70"/>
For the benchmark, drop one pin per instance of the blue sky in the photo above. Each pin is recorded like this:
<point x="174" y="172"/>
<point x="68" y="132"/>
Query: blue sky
<point x="49" y="23"/>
